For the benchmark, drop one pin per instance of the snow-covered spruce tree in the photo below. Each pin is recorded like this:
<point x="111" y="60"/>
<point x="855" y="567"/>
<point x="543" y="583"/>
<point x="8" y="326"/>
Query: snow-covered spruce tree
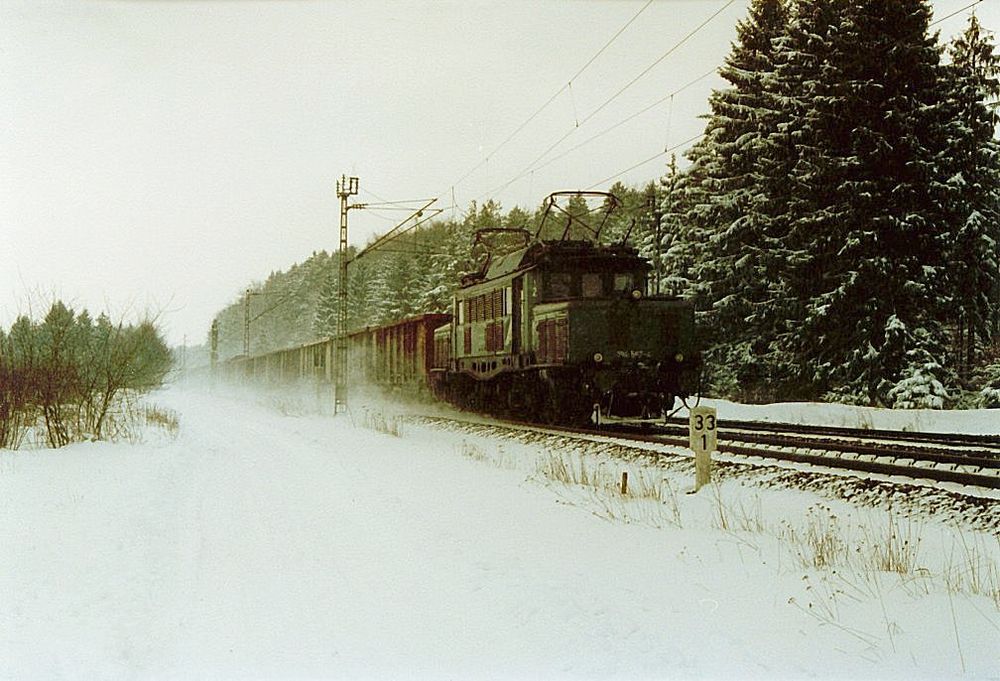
<point x="447" y="259"/>
<point x="989" y="382"/>
<point x="327" y="305"/>
<point x="729" y="232"/>
<point x="794" y="176"/>
<point x="672" y="279"/>
<point x="360" y="289"/>
<point x="973" y="79"/>
<point x="297" y="308"/>
<point x="396" y="288"/>
<point x="685" y="246"/>
<point x="868" y="203"/>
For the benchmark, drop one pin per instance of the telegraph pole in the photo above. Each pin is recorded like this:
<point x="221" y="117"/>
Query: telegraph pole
<point x="346" y="187"/>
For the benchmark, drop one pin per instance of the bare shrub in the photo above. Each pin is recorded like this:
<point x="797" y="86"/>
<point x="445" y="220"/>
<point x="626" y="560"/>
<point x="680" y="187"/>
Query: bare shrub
<point x="67" y="373"/>
<point x="16" y="413"/>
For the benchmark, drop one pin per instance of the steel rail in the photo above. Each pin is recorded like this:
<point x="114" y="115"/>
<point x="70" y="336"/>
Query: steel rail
<point x="983" y="458"/>
<point x="956" y="439"/>
<point x="842" y="460"/>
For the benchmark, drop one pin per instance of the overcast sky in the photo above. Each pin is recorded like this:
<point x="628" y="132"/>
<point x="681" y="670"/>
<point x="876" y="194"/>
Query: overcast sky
<point x="162" y="155"/>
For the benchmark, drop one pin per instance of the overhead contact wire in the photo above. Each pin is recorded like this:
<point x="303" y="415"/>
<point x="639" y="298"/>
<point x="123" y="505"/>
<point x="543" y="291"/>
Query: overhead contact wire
<point x="624" y="120"/>
<point x="551" y="99"/>
<point x="957" y="11"/>
<point x="648" y="160"/>
<point x="613" y="97"/>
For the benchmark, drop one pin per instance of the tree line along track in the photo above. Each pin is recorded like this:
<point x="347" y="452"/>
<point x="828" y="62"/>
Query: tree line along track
<point x="857" y="450"/>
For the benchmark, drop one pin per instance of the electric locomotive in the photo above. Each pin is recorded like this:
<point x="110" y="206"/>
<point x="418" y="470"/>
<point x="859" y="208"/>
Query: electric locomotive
<point x="562" y="329"/>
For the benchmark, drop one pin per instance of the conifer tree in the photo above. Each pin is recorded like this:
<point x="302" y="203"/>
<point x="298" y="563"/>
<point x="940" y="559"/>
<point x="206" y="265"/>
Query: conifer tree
<point x="360" y="288"/>
<point x="792" y="210"/>
<point x="868" y="200"/>
<point x="327" y="305"/>
<point x="726" y="209"/>
<point x="679" y="248"/>
<point x="975" y="153"/>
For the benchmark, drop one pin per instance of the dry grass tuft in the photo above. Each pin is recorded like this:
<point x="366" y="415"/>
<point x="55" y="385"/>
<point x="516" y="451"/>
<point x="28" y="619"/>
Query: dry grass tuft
<point x="820" y="544"/>
<point x="974" y="570"/>
<point x="380" y="422"/>
<point x="894" y="551"/>
<point x="165" y="419"/>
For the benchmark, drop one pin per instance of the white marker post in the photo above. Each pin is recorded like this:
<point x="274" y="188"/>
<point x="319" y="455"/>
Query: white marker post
<point x="704" y="430"/>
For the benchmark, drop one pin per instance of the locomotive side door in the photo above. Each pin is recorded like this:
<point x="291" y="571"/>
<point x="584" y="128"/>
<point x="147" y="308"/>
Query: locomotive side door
<point x="517" y="298"/>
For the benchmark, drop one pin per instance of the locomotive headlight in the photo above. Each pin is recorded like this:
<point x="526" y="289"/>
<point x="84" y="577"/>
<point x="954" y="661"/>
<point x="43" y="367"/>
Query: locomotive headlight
<point x="598" y="357"/>
<point x="636" y="294"/>
<point x="679" y="357"/>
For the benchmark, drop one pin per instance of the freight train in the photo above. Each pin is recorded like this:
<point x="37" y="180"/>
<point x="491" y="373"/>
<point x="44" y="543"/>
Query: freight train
<point x="557" y="329"/>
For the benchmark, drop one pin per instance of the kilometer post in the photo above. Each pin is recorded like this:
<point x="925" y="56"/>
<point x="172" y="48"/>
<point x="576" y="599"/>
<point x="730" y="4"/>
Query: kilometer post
<point x="704" y="436"/>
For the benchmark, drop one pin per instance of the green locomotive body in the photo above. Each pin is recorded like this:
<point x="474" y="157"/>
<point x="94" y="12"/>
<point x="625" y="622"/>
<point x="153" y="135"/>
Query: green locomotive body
<point x="557" y="328"/>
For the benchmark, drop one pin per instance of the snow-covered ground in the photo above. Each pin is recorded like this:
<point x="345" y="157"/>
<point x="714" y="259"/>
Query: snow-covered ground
<point x="265" y="542"/>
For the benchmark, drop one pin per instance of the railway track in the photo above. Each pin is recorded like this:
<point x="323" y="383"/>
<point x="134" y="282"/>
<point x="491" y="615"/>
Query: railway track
<point x="936" y="458"/>
<point x="961" y="459"/>
<point x="991" y="442"/>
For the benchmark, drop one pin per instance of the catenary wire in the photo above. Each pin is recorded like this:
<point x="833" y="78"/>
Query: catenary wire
<point x="532" y="168"/>
<point x="610" y="99"/>
<point x="958" y="11"/>
<point x="625" y="120"/>
<point x="648" y="160"/>
<point x="551" y="99"/>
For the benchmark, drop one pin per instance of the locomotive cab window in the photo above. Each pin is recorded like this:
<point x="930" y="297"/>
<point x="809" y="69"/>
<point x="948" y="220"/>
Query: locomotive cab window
<point x="591" y="285"/>
<point x="623" y="282"/>
<point x="558" y="285"/>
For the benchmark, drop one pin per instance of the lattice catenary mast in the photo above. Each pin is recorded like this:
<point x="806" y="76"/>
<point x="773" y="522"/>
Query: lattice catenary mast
<point x="346" y="186"/>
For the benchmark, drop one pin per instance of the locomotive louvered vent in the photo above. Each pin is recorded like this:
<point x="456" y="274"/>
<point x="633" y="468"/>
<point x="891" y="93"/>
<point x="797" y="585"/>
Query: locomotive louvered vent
<point x="553" y="340"/>
<point x="494" y="336"/>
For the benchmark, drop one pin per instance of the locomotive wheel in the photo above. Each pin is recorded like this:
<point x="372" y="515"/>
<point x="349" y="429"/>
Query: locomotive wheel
<point x="518" y="399"/>
<point x="578" y="409"/>
<point x="567" y="404"/>
<point x="501" y="397"/>
<point x="463" y="393"/>
<point x="546" y="409"/>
